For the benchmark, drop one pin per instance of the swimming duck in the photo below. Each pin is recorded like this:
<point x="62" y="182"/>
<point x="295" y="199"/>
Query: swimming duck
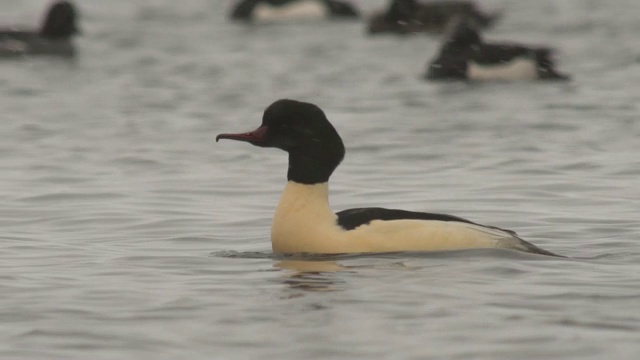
<point x="410" y="16"/>
<point x="464" y="56"/>
<point x="286" y="10"/>
<point x="304" y="222"/>
<point x="53" y="38"/>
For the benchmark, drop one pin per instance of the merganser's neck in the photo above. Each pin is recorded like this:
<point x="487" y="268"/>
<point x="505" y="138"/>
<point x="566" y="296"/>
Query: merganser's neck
<point x="304" y="169"/>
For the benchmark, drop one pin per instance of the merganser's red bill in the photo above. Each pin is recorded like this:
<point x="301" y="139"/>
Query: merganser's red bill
<point x="255" y="137"/>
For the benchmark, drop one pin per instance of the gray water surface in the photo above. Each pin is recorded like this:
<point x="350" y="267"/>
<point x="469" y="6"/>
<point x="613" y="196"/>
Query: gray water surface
<point x="128" y="233"/>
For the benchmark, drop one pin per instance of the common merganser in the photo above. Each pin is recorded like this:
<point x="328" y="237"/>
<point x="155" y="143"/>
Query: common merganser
<point x="53" y="38"/>
<point x="464" y="56"/>
<point x="304" y="222"/>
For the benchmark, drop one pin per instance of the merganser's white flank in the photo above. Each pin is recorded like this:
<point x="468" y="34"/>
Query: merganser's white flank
<point x="304" y="221"/>
<point x="273" y="11"/>
<point x="300" y="10"/>
<point x="517" y="69"/>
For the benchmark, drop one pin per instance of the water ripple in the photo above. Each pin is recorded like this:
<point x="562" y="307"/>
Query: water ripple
<point x="129" y="233"/>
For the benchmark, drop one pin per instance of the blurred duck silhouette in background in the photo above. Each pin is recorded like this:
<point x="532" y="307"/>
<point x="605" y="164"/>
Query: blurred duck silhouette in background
<point x="410" y="16"/>
<point x="53" y="38"/>
<point x="291" y="10"/>
<point x="464" y="56"/>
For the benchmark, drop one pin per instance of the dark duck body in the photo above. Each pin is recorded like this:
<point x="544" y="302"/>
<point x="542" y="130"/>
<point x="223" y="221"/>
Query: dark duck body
<point x="304" y="222"/>
<point x="410" y="16"/>
<point x="465" y="56"/>
<point x="53" y="38"/>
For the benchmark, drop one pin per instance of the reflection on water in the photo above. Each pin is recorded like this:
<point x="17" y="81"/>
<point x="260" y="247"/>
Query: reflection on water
<point x="311" y="275"/>
<point x="310" y="266"/>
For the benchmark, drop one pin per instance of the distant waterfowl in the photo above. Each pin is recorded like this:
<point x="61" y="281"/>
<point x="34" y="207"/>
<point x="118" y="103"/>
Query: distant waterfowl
<point x="464" y="56"/>
<point x="53" y="38"/>
<point x="304" y="222"/>
<point x="411" y="16"/>
<point x="288" y="10"/>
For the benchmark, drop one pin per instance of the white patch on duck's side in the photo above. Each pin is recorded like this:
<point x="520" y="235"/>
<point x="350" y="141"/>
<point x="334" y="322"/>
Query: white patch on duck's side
<point x="518" y="69"/>
<point x="298" y="10"/>
<point x="304" y="223"/>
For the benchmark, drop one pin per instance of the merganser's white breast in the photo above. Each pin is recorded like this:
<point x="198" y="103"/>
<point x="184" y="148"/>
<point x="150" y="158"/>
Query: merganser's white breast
<point x="304" y="223"/>
<point x="521" y="68"/>
<point x="297" y="10"/>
